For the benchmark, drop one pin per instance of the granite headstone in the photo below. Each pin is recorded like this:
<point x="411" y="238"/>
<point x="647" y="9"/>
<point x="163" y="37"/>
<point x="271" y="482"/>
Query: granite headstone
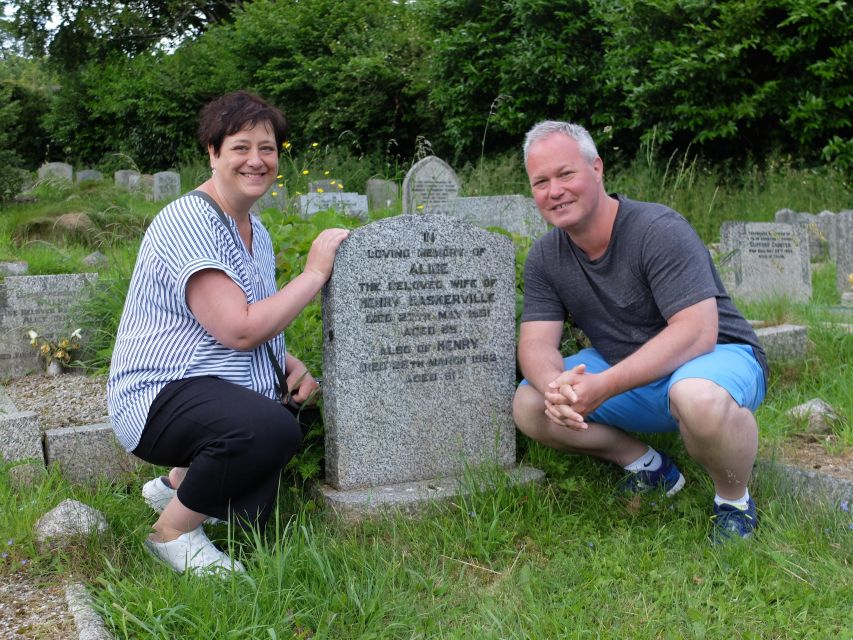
<point x="56" y="170"/>
<point x="763" y="260"/>
<point x="419" y="352"/>
<point x="428" y="187"/>
<point x="843" y="244"/>
<point x="381" y="194"/>
<point x="516" y="214"/>
<point x="126" y="178"/>
<point x="91" y="175"/>
<point x="166" y="186"/>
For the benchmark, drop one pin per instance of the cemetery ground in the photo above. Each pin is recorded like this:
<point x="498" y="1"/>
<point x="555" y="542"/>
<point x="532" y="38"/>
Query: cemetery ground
<point x="567" y="558"/>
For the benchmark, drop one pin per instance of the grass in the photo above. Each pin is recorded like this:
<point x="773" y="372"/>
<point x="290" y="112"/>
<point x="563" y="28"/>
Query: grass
<point x="564" y="559"/>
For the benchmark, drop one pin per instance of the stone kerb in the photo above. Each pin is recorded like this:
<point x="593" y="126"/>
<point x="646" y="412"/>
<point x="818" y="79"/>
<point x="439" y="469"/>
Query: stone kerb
<point x="428" y="187"/>
<point x="762" y="260"/>
<point x="40" y="303"/>
<point x="419" y="355"/>
<point x="784" y="342"/>
<point x="514" y="213"/>
<point x="87" y="453"/>
<point x="56" y="170"/>
<point x="348" y="203"/>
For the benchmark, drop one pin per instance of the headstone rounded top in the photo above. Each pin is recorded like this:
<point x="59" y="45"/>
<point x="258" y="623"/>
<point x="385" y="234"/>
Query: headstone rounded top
<point x="428" y="186"/>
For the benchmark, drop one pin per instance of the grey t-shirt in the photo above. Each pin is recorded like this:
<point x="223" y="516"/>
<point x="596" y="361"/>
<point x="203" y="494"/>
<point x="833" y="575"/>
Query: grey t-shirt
<point x="654" y="266"/>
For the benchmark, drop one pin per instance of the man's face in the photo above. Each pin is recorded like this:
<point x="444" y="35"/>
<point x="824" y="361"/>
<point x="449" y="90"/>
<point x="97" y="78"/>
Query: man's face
<point x="566" y="187"/>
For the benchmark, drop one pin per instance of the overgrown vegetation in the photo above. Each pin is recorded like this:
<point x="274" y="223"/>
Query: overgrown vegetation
<point x="563" y="559"/>
<point x="724" y="80"/>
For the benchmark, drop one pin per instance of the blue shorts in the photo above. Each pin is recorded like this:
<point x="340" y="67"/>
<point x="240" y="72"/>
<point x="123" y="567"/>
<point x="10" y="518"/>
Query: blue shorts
<point x="646" y="409"/>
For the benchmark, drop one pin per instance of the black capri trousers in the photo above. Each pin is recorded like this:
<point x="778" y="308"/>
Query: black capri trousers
<point x="234" y="441"/>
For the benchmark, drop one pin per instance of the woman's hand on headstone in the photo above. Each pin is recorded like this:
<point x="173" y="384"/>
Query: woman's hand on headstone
<point x="321" y="256"/>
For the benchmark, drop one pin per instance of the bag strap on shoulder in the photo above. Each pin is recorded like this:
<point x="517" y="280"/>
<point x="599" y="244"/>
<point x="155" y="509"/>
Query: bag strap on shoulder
<point x="281" y="385"/>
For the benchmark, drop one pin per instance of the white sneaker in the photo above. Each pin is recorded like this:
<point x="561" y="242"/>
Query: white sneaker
<point x="193" y="551"/>
<point x="157" y="495"/>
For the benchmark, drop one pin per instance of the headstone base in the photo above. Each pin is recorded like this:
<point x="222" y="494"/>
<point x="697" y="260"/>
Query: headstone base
<point x="410" y="498"/>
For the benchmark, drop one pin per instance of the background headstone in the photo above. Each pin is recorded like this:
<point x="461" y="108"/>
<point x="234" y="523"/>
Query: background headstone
<point x="843" y="249"/>
<point x="274" y="198"/>
<point x="428" y="187"/>
<point x="381" y="194"/>
<point x="351" y="204"/>
<point x="765" y="259"/>
<point x="45" y="304"/>
<point x="419" y="352"/>
<point x="89" y="174"/>
<point x="327" y="186"/>
<point x="126" y="178"/>
<point x="56" y="170"/>
<point x="166" y="186"/>
<point x="517" y="214"/>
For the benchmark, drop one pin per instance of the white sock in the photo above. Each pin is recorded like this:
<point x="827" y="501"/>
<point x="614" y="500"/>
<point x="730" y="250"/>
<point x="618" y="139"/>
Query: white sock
<point x="741" y="503"/>
<point x="649" y="461"/>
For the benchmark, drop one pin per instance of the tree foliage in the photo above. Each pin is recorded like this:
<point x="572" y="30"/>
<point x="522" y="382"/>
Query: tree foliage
<point x="73" y="32"/>
<point x="496" y="68"/>
<point x="731" y="77"/>
<point x="726" y="79"/>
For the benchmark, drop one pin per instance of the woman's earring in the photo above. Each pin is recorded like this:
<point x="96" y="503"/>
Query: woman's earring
<point x="213" y="171"/>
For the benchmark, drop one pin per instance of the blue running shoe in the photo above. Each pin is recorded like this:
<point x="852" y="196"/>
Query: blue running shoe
<point x="667" y="477"/>
<point x="731" y="523"/>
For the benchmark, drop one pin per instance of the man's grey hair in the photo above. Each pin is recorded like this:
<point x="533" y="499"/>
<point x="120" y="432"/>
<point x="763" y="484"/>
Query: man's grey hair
<point x="576" y="132"/>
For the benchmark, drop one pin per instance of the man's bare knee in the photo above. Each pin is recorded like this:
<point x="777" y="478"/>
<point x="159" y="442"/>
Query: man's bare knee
<point x="701" y="406"/>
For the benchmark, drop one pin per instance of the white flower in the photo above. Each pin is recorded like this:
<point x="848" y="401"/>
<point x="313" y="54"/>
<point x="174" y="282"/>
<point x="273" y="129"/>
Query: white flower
<point x="77" y="334"/>
<point x="32" y="334"/>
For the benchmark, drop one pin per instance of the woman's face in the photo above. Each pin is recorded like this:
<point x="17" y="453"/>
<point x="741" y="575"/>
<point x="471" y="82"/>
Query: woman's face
<point x="247" y="163"/>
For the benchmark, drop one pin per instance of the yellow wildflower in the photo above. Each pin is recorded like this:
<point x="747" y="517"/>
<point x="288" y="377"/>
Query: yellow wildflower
<point x="320" y="190"/>
<point x="325" y="173"/>
<point x="420" y="206"/>
<point x="305" y="172"/>
<point x="280" y="185"/>
<point x="315" y="144"/>
<point x="274" y="194"/>
<point x="286" y="145"/>
<point x="850" y="279"/>
<point x="340" y="186"/>
<point x="279" y="177"/>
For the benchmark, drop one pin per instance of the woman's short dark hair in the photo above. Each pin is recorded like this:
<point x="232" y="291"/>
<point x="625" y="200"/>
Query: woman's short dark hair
<point x="234" y="112"/>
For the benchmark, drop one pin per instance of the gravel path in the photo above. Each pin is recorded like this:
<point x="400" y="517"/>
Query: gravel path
<point x="67" y="400"/>
<point x="32" y="606"/>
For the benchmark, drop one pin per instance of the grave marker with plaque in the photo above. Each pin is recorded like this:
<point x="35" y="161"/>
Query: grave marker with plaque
<point x="766" y="259"/>
<point x="419" y="358"/>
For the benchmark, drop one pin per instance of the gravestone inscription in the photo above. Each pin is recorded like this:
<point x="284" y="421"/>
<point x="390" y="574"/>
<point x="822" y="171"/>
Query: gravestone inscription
<point x="419" y="352"/>
<point x="766" y="259"/>
<point x="428" y="187"/>
<point x="350" y="204"/>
